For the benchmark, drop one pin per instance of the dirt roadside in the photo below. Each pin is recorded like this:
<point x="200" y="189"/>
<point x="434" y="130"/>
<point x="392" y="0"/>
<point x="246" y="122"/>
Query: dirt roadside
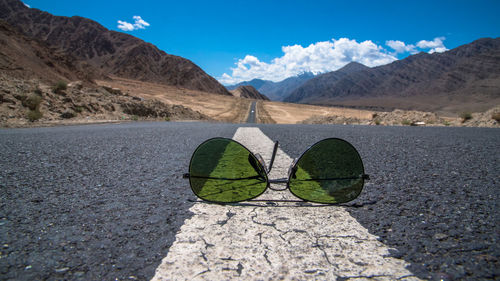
<point x="30" y="103"/>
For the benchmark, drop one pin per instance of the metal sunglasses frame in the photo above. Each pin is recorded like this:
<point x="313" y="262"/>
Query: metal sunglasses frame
<point x="291" y="172"/>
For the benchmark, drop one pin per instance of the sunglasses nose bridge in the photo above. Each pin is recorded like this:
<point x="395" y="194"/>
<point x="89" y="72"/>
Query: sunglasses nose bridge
<point x="278" y="181"/>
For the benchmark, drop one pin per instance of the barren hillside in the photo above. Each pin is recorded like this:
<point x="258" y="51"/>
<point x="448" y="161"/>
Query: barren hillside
<point x="248" y="92"/>
<point x="113" y="53"/>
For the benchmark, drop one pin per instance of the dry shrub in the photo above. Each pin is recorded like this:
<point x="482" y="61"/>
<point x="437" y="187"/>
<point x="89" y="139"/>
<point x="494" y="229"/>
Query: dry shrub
<point x="34" y="115"/>
<point x="465" y="116"/>
<point x="59" y="87"/>
<point x="496" y="117"/>
<point x="32" y="101"/>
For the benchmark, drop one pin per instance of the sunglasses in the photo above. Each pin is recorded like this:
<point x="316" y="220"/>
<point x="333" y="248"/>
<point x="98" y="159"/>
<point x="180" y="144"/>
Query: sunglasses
<point x="222" y="170"/>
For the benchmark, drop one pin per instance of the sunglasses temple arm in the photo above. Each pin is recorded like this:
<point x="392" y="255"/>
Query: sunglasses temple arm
<point x="275" y="150"/>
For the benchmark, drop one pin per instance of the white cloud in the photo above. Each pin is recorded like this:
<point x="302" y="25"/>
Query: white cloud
<point x="401" y="47"/>
<point x="323" y="57"/>
<point x="125" y="26"/>
<point x="316" y="58"/>
<point x="138" y="24"/>
<point x="26" y="5"/>
<point x="438" y="50"/>
<point x="435" y="45"/>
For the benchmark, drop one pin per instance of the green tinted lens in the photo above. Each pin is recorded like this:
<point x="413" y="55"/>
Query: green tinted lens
<point x="329" y="172"/>
<point x="224" y="171"/>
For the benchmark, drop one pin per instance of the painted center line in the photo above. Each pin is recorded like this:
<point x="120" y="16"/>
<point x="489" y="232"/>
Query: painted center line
<point x="284" y="242"/>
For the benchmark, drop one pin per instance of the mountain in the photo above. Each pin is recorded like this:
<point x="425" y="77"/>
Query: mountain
<point x="112" y="53"/>
<point x="466" y="78"/>
<point x="276" y="91"/>
<point x="256" y="83"/>
<point x="248" y="92"/>
<point x="311" y="88"/>
<point x="26" y="58"/>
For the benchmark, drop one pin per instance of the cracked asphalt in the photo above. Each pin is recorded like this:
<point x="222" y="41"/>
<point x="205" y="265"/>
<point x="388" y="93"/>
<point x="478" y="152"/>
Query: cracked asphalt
<point x="433" y="195"/>
<point x="104" y="202"/>
<point x="97" y="202"/>
<point x="277" y="241"/>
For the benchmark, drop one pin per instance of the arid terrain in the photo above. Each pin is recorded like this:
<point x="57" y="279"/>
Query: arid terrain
<point x="31" y="103"/>
<point x="230" y="109"/>
<point x="234" y="109"/>
<point x="122" y="100"/>
<point x="218" y="107"/>
<point x="248" y="92"/>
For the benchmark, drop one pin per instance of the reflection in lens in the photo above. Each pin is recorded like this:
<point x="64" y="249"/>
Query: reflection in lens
<point x="329" y="172"/>
<point x="224" y="171"/>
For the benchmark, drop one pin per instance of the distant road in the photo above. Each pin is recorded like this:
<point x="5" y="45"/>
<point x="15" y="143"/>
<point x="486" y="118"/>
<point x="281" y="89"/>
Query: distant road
<point x="251" y="114"/>
<point x="104" y="202"/>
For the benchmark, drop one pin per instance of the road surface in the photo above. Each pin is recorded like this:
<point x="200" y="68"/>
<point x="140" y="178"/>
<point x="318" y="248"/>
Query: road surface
<point x="252" y="114"/>
<point x="106" y="202"/>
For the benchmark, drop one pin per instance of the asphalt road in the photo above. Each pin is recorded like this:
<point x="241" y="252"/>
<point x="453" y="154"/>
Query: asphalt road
<point x="104" y="202"/>
<point x="251" y="114"/>
<point x="434" y="193"/>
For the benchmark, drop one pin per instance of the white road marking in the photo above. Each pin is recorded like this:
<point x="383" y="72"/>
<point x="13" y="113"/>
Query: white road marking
<point x="285" y="242"/>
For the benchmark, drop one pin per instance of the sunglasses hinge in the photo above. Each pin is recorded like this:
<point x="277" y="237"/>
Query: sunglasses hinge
<point x="185" y="176"/>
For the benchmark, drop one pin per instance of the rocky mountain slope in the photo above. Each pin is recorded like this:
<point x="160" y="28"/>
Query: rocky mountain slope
<point x="110" y="52"/>
<point x="276" y="91"/>
<point x="248" y="92"/>
<point x="315" y="87"/>
<point x="466" y="78"/>
<point x="25" y="58"/>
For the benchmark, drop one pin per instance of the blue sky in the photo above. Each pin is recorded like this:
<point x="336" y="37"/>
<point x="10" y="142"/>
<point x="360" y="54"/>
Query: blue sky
<point x="241" y="40"/>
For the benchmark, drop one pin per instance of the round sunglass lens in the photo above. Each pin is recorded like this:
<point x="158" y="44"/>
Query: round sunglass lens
<point x="328" y="172"/>
<point x="224" y="171"/>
